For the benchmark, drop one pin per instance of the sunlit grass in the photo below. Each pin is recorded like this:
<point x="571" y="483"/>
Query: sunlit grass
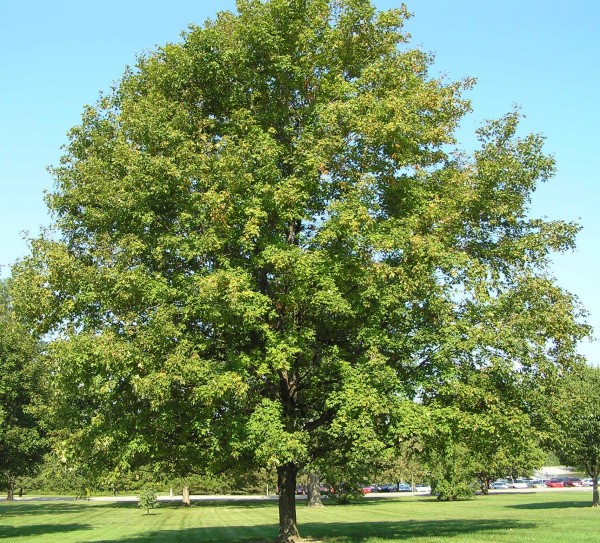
<point x="523" y="518"/>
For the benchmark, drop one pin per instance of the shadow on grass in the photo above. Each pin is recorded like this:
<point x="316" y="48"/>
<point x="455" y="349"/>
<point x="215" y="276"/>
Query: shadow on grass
<point x="36" y="508"/>
<point x="221" y="504"/>
<point x="340" y="532"/>
<point x="552" y="505"/>
<point x="15" y="509"/>
<point x="39" y="530"/>
<point x="358" y="532"/>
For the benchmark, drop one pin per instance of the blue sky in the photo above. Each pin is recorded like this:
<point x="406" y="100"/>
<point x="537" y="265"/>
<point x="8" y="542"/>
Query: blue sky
<point x="541" y="54"/>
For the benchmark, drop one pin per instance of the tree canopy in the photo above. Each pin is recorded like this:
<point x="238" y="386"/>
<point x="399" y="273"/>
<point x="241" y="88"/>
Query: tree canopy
<point x="265" y="244"/>
<point x="22" y="432"/>
<point x="483" y="427"/>
<point x="576" y="423"/>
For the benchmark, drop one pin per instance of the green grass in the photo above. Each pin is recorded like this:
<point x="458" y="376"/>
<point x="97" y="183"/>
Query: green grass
<point x="525" y="518"/>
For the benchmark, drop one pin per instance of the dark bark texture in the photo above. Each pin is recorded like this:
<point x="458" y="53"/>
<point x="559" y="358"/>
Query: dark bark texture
<point x="11" y="491"/>
<point x="288" y="526"/>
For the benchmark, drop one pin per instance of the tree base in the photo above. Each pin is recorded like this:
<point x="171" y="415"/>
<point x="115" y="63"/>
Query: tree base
<point x="290" y="539"/>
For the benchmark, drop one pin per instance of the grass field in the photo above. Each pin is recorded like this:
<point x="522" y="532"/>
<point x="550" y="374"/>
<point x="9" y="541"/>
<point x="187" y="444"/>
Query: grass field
<point x="526" y="518"/>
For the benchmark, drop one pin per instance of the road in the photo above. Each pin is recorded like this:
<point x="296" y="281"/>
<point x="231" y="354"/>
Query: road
<point x="256" y="497"/>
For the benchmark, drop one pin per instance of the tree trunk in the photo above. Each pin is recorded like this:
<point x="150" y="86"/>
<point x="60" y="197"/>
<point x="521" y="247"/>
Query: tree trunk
<point x="286" y="480"/>
<point x="485" y="484"/>
<point x="314" y="490"/>
<point x="10" y="497"/>
<point x="186" y="495"/>
<point x="595" y="493"/>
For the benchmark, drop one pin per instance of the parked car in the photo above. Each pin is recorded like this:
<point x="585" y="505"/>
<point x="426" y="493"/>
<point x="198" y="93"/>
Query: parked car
<point x="518" y="483"/>
<point x="554" y="483"/>
<point x="534" y="483"/>
<point x="572" y="481"/>
<point x="368" y="489"/>
<point x="587" y="482"/>
<point x="387" y="487"/>
<point x="499" y="484"/>
<point x="425" y="489"/>
<point x="403" y="487"/>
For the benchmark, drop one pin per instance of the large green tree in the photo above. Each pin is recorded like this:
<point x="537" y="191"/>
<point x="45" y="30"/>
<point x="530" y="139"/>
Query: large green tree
<point x="263" y="245"/>
<point x="22" y="432"/>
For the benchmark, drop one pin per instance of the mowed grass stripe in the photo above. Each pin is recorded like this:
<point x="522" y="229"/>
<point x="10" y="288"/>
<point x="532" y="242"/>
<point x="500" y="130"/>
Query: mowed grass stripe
<point x="532" y="518"/>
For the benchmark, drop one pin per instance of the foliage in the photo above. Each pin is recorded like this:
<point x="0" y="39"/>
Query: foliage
<point x="576" y="413"/>
<point x="263" y="246"/>
<point x="346" y="493"/>
<point x="488" y="414"/>
<point x="404" y="464"/>
<point x="552" y="459"/>
<point x="53" y="477"/>
<point x="57" y="477"/>
<point x="452" y="464"/>
<point x="22" y="429"/>
<point x="147" y="500"/>
<point x="83" y="491"/>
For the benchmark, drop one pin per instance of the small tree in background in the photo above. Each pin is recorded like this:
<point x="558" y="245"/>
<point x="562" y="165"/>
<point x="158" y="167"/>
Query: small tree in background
<point x="450" y="462"/>
<point x="576" y="414"/>
<point x="488" y="414"/>
<point x="147" y="500"/>
<point x="404" y="463"/>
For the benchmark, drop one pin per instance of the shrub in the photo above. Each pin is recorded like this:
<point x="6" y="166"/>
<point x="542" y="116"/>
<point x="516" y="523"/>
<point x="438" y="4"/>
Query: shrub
<point x="148" y="500"/>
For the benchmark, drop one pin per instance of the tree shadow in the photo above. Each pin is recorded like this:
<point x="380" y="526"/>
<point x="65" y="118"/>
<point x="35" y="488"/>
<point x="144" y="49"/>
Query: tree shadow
<point x="235" y="504"/>
<point x="346" y="532"/>
<point x="231" y="534"/>
<point x="552" y="505"/>
<point x="406" y="530"/>
<point x="220" y="504"/>
<point x="17" y="509"/>
<point x="374" y="501"/>
<point x="39" y="530"/>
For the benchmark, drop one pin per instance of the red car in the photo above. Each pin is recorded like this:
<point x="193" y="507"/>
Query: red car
<point x="554" y="483"/>
<point x="573" y="481"/>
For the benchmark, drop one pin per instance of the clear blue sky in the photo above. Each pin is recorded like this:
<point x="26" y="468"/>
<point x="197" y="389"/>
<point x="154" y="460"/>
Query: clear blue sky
<point x="541" y="54"/>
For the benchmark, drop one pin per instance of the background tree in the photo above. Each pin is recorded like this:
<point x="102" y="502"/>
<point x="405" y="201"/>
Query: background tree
<point x="264" y="244"/>
<point x="576" y="414"/>
<point x="489" y="412"/>
<point x="403" y="464"/>
<point x="452" y="465"/>
<point x="22" y="432"/>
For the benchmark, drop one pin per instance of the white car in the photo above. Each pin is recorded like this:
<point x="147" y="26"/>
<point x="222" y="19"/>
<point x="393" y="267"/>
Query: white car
<point x="518" y="483"/>
<point x="587" y="482"/>
<point x="423" y="488"/>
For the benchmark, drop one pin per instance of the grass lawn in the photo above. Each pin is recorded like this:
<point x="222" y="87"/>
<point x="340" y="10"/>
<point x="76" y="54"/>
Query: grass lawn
<point x="523" y="518"/>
